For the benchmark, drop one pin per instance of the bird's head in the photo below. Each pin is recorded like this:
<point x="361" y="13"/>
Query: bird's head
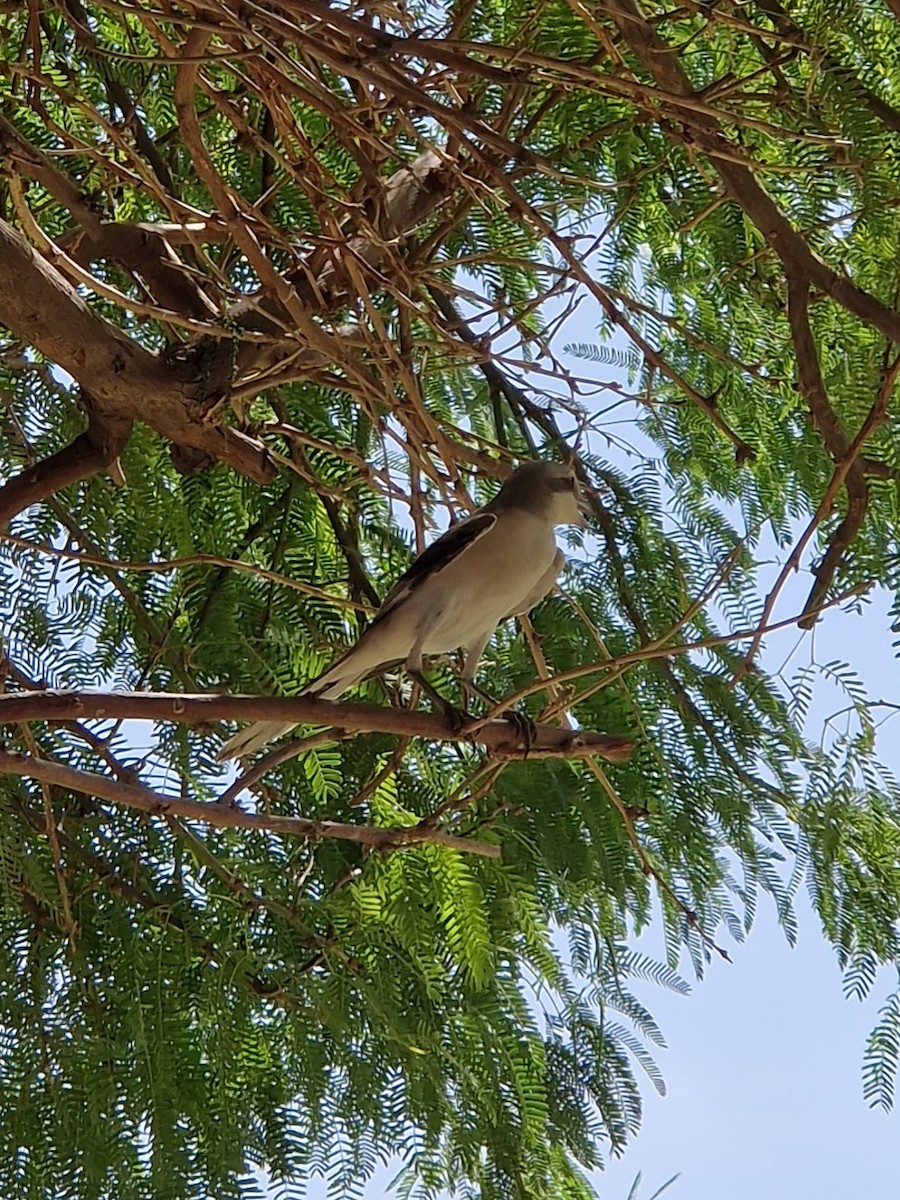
<point x="549" y="489"/>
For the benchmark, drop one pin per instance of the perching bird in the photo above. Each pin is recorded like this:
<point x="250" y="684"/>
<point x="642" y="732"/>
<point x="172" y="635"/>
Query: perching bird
<point x="497" y="563"/>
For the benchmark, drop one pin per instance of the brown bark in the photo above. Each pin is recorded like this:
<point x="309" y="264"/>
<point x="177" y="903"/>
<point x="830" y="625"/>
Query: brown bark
<point x="549" y="741"/>
<point x="126" y="382"/>
<point x="91" y="452"/>
<point x="144" y="251"/>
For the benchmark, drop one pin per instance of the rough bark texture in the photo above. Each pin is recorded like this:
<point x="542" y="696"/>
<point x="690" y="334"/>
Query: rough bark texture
<point x="549" y="740"/>
<point x="125" y="381"/>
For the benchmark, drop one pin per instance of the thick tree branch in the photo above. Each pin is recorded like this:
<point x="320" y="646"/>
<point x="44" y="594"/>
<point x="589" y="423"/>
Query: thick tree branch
<point x="144" y="250"/>
<point x="549" y="741"/>
<point x="124" y="380"/>
<point x="92" y="451"/>
<point x="142" y="798"/>
<point x="140" y="248"/>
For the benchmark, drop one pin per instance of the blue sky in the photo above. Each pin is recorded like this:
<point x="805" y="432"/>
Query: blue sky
<point x="764" y="1087"/>
<point x="764" y="1066"/>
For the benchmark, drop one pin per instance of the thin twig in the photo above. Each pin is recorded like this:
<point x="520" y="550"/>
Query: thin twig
<point x="164" y="565"/>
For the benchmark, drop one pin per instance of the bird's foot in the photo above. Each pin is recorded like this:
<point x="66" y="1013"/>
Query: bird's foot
<point x="457" y="718"/>
<point x="525" y="728"/>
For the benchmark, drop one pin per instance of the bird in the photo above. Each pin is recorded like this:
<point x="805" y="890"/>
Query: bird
<point x="495" y="564"/>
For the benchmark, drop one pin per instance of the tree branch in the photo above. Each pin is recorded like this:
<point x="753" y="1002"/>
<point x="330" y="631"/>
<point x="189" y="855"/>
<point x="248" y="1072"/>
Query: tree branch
<point x="91" y="452"/>
<point x="812" y="385"/>
<point x="662" y="63"/>
<point x="145" y="800"/>
<point x="348" y="719"/>
<point x="843" y="536"/>
<point x="124" y="380"/>
<point x="789" y="30"/>
<point x="144" y="250"/>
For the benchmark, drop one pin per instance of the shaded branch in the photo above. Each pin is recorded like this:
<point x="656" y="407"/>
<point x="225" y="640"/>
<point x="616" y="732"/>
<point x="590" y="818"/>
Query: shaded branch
<point x="142" y="798"/>
<point x="812" y="385"/>
<point x="663" y="65"/>
<point x="786" y="27"/>
<point x="879" y="470"/>
<point x="876" y="416"/>
<point x="348" y="719"/>
<point x="90" y="453"/>
<point x="498" y="381"/>
<point x="361" y="586"/>
<point x="118" y="94"/>
<point x="39" y="306"/>
<point x="166" y="917"/>
<point x="144" y="250"/>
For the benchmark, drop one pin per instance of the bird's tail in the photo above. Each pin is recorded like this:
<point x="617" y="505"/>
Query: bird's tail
<point x="254" y="737"/>
<point x="331" y="684"/>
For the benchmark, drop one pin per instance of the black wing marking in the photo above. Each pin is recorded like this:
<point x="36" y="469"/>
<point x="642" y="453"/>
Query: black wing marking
<point x="432" y="560"/>
<point x="437" y="556"/>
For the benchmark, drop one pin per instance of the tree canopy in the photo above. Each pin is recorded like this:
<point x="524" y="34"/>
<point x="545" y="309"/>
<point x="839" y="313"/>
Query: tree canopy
<point x="284" y="288"/>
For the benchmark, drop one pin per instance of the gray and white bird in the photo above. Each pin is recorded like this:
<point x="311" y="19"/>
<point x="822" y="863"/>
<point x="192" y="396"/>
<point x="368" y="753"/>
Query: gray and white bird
<point x="495" y="564"/>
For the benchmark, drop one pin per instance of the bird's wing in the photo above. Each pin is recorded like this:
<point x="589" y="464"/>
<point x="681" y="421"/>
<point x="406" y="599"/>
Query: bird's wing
<point x="439" y="555"/>
<point x="377" y="648"/>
